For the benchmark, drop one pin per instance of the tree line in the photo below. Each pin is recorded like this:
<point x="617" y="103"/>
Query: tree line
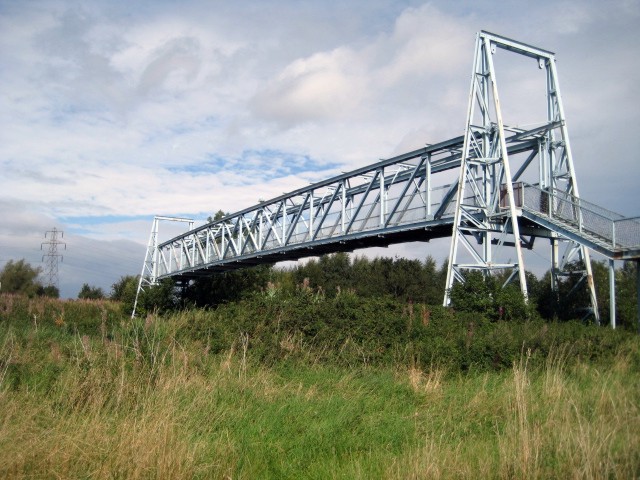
<point x="20" y="277"/>
<point x="410" y="281"/>
<point x="414" y="281"/>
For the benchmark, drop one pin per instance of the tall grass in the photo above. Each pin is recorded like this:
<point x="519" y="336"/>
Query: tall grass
<point x="551" y="423"/>
<point x="147" y="400"/>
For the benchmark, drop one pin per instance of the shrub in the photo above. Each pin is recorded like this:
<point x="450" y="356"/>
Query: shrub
<point x="483" y="295"/>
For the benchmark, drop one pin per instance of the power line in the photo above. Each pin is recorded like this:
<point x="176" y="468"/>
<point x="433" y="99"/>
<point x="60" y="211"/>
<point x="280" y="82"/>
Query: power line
<point x="52" y="256"/>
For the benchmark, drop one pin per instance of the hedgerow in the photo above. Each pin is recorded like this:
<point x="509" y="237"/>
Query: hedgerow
<point x="306" y="326"/>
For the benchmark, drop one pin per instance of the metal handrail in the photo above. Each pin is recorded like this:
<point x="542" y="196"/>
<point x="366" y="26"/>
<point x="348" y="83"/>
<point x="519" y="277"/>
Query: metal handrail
<point x="588" y="218"/>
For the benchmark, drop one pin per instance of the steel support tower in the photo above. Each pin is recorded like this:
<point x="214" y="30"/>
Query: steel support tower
<point x="490" y="193"/>
<point x="149" y="274"/>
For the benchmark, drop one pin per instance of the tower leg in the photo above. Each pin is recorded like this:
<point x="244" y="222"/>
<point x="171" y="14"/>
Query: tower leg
<point x="586" y="258"/>
<point x="638" y="292"/>
<point x="612" y="293"/>
<point x="149" y="274"/>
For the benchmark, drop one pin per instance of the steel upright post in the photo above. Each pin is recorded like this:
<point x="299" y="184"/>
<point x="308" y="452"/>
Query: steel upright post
<point x="612" y="293"/>
<point x="562" y="177"/>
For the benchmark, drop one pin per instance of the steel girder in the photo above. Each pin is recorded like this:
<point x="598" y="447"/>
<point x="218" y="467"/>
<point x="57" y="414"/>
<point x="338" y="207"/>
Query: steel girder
<point x="383" y="199"/>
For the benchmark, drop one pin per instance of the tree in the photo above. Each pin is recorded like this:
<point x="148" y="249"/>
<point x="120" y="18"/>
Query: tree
<point x="217" y="216"/>
<point x="435" y="282"/>
<point x="125" y="288"/>
<point x="571" y="300"/>
<point x="20" y="277"/>
<point x="49" y="291"/>
<point x="88" y="292"/>
<point x="225" y="287"/>
<point x="399" y="277"/>
<point x="124" y="291"/>
<point x="312" y="272"/>
<point x="627" y="296"/>
<point x="486" y="296"/>
<point x="159" y="297"/>
<point x="475" y="294"/>
<point x="336" y="272"/>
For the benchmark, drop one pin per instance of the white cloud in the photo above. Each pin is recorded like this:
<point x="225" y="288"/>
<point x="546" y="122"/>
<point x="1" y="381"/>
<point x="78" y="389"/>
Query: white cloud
<point x="572" y="17"/>
<point x="426" y="43"/>
<point x="349" y="82"/>
<point x="110" y="111"/>
<point x="324" y="86"/>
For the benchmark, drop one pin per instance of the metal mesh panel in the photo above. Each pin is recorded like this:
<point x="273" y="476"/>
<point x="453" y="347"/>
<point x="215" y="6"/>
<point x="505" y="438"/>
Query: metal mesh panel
<point x="626" y="232"/>
<point x="583" y="216"/>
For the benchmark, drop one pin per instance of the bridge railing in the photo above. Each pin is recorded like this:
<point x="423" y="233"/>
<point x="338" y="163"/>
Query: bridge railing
<point x="587" y="218"/>
<point x="626" y="232"/>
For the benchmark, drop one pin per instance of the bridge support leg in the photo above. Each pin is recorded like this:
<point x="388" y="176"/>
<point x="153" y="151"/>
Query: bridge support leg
<point x="149" y="274"/>
<point x="612" y="293"/>
<point x="638" y="292"/>
<point x="555" y="267"/>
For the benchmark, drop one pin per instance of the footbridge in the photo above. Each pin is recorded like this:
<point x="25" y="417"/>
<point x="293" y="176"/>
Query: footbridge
<point x="494" y="191"/>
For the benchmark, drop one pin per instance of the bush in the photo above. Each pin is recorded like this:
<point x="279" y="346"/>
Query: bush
<point x="346" y="330"/>
<point x="482" y="295"/>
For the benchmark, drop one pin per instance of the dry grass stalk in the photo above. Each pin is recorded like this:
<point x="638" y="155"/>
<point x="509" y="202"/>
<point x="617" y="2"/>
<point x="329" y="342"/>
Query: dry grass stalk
<point x="429" y="383"/>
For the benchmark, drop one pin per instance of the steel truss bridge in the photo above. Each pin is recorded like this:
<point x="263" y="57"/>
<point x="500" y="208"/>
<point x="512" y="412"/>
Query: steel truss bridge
<point x="494" y="191"/>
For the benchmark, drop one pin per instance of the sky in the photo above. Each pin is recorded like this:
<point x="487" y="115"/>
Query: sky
<point x="114" y="111"/>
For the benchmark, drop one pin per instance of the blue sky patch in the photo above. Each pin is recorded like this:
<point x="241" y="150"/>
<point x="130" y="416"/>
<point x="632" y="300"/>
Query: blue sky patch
<point x="266" y="164"/>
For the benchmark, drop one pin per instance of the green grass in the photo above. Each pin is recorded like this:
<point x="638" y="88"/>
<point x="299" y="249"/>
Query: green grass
<point x="147" y="400"/>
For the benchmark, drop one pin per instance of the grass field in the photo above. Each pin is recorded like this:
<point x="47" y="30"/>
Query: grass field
<point x="148" y="402"/>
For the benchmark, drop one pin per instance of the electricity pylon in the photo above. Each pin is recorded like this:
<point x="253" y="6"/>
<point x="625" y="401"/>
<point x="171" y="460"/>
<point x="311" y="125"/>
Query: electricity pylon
<point x="52" y="256"/>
